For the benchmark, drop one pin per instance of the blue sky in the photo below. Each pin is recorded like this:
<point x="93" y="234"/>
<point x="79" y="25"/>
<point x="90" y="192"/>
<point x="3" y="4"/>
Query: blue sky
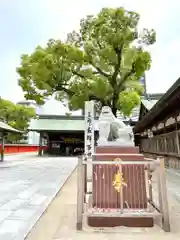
<point x="25" y="24"/>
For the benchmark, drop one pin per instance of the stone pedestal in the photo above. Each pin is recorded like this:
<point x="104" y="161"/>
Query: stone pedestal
<point x="104" y="196"/>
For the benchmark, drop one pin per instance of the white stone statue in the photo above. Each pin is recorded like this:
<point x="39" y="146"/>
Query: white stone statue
<point x="113" y="131"/>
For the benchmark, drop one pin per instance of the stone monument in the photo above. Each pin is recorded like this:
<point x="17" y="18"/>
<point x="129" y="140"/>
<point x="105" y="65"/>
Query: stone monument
<point x="112" y="131"/>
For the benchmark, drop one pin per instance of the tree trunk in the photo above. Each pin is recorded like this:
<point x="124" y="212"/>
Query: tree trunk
<point x="114" y="111"/>
<point x="114" y="108"/>
<point x="114" y="104"/>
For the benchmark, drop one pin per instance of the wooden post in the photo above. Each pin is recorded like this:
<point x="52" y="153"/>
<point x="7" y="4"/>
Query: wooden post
<point x="150" y="183"/>
<point x="83" y="187"/>
<point x="159" y="186"/>
<point x="80" y="193"/>
<point x="164" y="137"/>
<point x="121" y="190"/>
<point x="163" y="195"/>
<point x="40" y="152"/>
<point x="157" y="139"/>
<point x="2" y="147"/>
<point x="146" y="181"/>
<point x="165" y="144"/>
<point x="85" y="180"/>
<point x="177" y="135"/>
<point x="177" y="142"/>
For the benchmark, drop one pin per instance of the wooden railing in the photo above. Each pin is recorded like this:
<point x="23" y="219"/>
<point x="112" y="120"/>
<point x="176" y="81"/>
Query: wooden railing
<point x="163" y="144"/>
<point x="137" y="195"/>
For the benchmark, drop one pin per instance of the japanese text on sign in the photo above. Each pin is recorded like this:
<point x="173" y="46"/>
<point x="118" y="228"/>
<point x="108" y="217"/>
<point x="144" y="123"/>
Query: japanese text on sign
<point x="89" y="130"/>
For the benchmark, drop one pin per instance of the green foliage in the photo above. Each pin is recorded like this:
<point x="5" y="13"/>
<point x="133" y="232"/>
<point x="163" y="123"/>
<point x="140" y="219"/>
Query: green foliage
<point x="101" y="62"/>
<point x="127" y="101"/>
<point x="17" y="116"/>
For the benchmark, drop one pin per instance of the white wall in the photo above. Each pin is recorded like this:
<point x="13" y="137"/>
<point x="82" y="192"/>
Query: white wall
<point x="33" y="138"/>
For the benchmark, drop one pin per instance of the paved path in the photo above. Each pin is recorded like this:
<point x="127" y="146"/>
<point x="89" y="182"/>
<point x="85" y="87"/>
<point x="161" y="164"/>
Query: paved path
<point x="173" y="182"/>
<point x="17" y="158"/>
<point x="27" y="186"/>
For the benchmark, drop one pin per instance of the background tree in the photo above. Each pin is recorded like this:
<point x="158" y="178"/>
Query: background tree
<point x="17" y="116"/>
<point x="101" y="62"/>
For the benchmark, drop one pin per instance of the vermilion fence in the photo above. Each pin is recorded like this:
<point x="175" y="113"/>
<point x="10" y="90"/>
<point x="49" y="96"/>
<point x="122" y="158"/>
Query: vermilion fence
<point x="21" y="148"/>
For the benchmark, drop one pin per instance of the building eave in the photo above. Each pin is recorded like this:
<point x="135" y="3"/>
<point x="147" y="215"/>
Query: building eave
<point x="159" y="107"/>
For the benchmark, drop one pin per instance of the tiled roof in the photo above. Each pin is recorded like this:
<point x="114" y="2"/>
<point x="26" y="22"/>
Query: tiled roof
<point x="135" y="112"/>
<point x="149" y="103"/>
<point x="5" y="127"/>
<point x="58" y="125"/>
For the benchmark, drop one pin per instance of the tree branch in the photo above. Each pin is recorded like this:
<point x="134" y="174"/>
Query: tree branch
<point x="66" y="90"/>
<point x="99" y="70"/>
<point x="98" y="43"/>
<point x="127" y="75"/>
<point x="78" y="74"/>
<point x="91" y="96"/>
<point x="118" y="65"/>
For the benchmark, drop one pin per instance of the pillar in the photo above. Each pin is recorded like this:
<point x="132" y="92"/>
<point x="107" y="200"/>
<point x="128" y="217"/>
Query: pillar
<point x="177" y="142"/>
<point x="177" y="136"/>
<point x="2" y="147"/>
<point x="40" y="152"/>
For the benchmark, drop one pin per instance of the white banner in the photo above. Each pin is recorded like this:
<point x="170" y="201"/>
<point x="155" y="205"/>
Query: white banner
<point x="89" y="128"/>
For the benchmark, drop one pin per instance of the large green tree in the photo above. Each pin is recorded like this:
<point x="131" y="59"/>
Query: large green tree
<point x="17" y="116"/>
<point x="103" y="61"/>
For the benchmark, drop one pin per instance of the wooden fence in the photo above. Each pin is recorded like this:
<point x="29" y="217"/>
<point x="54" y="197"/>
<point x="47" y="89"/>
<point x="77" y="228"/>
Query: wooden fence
<point x="131" y="201"/>
<point x="163" y="144"/>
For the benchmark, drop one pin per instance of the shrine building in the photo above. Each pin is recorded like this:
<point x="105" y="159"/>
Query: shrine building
<point x="158" y="130"/>
<point x="62" y="130"/>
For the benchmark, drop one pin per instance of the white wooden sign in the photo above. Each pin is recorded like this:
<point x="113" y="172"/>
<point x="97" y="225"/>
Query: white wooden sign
<point x="89" y="128"/>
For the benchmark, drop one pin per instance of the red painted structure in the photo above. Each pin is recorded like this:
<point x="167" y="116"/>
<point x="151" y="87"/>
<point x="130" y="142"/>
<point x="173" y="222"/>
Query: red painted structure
<point x="105" y="197"/>
<point x="21" y="148"/>
<point x="104" y="194"/>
